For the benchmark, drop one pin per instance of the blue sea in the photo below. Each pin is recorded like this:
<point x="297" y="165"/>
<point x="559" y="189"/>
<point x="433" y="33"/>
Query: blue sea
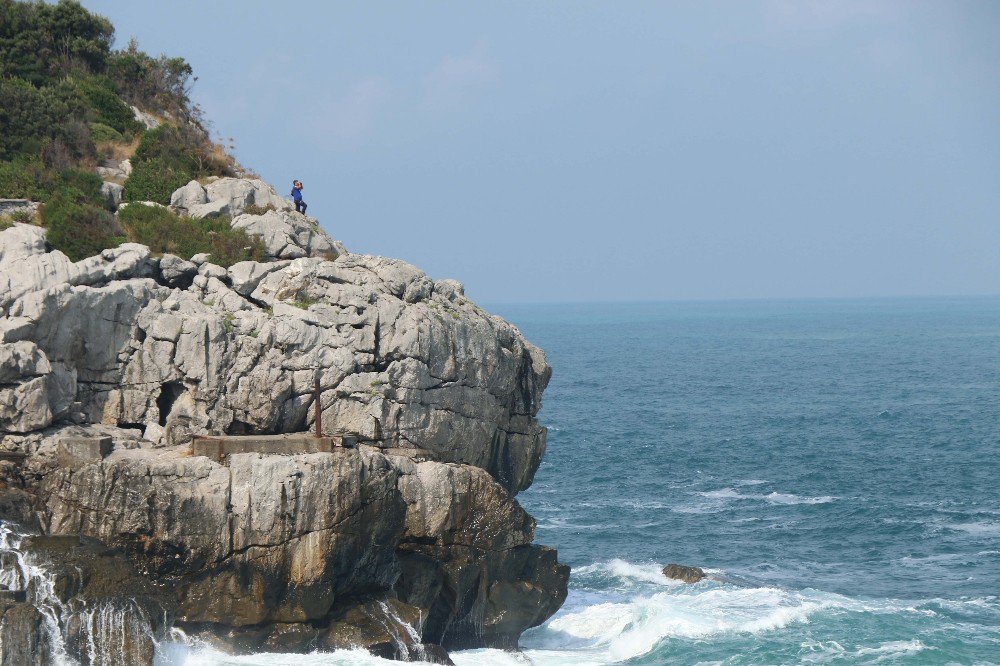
<point x="833" y="465"/>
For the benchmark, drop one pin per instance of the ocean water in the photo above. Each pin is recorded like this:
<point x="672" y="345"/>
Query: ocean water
<point x="834" y="466"/>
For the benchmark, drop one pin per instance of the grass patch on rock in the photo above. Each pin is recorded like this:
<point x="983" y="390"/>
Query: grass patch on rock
<point x="164" y="232"/>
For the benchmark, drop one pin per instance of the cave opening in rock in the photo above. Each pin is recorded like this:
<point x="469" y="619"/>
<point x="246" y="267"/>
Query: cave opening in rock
<point x="169" y="393"/>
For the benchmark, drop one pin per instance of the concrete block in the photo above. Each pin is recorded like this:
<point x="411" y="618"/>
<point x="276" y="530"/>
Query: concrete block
<point x="74" y="451"/>
<point x="220" y="447"/>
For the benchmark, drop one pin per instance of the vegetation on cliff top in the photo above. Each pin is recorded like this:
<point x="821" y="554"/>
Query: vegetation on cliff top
<point x="65" y="106"/>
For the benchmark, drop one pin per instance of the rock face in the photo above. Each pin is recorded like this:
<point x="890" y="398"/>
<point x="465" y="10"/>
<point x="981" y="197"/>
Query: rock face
<point x="226" y="196"/>
<point x="268" y="542"/>
<point x="289" y="235"/>
<point x="412" y="538"/>
<point x="402" y="361"/>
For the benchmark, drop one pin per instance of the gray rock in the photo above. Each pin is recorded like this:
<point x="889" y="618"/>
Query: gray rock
<point x="216" y="208"/>
<point x="112" y="194"/>
<point x="177" y="272"/>
<point x="187" y="197"/>
<point x="209" y="269"/>
<point x="271" y="541"/>
<point x="114" y="170"/>
<point x="152" y="204"/>
<point x="284" y="552"/>
<point x="289" y="235"/>
<point x="147" y="119"/>
<point x="683" y="573"/>
<point x="25" y="206"/>
<point x="238" y="193"/>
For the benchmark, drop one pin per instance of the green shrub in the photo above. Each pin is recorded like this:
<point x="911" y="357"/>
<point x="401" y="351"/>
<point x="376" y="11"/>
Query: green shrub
<point x="42" y="42"/>
<point x="153" y="83"/>
<point x="108" y="107"/>
<point x="79" y="230"/>
<point x="163" y="231"/>
<point x="173" y="146"/>
<point x="169" y="157"/>
<point x="155" y="180"/>
<point x="20" y="179"/>
<point x="30" y="179"/>
<point x="101" y="133"/>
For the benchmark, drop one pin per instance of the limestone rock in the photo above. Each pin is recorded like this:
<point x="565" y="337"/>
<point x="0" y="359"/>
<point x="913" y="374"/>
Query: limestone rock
<point x="216" y="208"/>
<point x="467" y="558"/>
<point x="112" y="194"/>
<point x="23" y="206"/>
<point x="236" y="194"/>
<point x="279" y="549"/>
<point x="401" y="363"/>
<point x="187" y="197"/>
<point x="177" y="272"/>
<point x="289" y="235"/>
<point x="147" y="119"/>
<point x="282" y="552"/>
<point x="152" y="204"/>
<point x="33" y="391"/>
<point x="113" y="170"/>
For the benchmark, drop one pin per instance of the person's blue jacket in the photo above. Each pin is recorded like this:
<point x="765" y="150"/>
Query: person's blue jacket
<point x="296" y="194"/>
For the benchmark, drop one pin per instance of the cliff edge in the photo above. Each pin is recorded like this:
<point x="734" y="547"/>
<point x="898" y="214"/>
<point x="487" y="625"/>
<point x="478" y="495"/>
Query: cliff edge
<point x="412" y="537"/>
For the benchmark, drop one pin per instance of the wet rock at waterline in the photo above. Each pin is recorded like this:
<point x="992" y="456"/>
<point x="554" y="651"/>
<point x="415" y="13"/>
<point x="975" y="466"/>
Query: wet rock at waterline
<point x="274" y="551"/>
<point x="67" y="598"/>
<point x="683" y="573"/>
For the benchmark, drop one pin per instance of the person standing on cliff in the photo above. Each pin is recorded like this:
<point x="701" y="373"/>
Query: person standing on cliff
<point x="300" y="205"/>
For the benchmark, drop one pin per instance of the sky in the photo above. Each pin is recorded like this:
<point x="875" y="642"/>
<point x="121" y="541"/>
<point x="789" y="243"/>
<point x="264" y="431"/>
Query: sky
<point x="619" y="151"/>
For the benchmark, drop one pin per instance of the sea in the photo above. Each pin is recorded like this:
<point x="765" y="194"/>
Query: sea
<point x="832" y="465"/>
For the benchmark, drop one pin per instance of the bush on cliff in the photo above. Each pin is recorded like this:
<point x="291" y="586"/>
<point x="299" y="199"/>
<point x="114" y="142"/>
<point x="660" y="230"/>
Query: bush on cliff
<point x="154" y="180"/>
<point x="154" y="83"/>
<point x="167" y="158"/>
<point x="101" y="133"/>
<point x="107" y="107"/>
<point x="79" y="230"/>
<point x="163" y="231"/>
<point x="41" y="42"/>
<point x="31" y="179"/>
<point x="33" y="118"/>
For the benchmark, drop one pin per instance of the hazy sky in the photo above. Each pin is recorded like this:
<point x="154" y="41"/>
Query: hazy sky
<point x="579" y="151"/>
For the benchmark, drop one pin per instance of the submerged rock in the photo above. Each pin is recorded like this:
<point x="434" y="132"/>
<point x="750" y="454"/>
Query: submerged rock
<point x="683" y="573"/>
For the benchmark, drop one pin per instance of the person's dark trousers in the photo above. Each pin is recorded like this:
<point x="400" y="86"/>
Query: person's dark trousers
<point x="300" y="207"/>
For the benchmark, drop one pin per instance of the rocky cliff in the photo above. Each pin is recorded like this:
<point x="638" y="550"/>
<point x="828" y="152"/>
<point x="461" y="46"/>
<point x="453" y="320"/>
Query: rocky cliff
<point x="411" y="537"/>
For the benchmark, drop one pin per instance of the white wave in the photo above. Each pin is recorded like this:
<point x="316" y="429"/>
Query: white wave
<point x="176" y="654"/>
<point x="771" y="498"/>
<point x="788" y="498"/>
<point x="893" y="649"/>
<point x="977" y="528"/>
<point x="627" y="630"/>
<point x="723" y="493"/>
<point x="626" y="574"/>
<point x="526" y="658"/>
